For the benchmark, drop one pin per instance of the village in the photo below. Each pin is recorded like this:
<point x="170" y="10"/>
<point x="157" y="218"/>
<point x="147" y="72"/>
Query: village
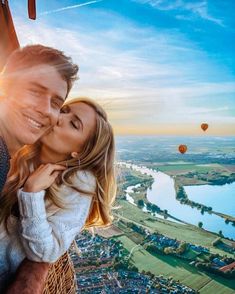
<point x="196" y="255"/>
<point x="103" y="266"/>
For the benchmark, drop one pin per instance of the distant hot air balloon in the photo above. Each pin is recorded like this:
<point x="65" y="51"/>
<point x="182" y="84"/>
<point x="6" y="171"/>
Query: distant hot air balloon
<point x="204" y="126"/>
<point x="182" y="148"/>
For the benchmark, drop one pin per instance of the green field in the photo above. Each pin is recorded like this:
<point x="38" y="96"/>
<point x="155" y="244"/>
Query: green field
<point x="186" y="167"/>
<point x="178" y="269"/>
<point x="168" y="265"/>
<point x="187" y="233"/>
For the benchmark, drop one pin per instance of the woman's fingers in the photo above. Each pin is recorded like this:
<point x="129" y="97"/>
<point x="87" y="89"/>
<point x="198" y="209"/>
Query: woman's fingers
<point x="54" y="167"/>
<point x="43" y="177"/>
<point x="54" y="175"/>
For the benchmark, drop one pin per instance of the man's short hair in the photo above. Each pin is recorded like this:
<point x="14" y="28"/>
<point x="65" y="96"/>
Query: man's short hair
<point x="32" y="55"/>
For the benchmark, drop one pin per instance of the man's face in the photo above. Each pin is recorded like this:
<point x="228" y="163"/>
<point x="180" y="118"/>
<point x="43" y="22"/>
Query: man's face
<point x="33" y="101"/>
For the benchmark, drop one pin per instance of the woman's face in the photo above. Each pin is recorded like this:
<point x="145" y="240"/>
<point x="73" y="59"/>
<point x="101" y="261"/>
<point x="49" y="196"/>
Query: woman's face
<point x="76" y="123"/>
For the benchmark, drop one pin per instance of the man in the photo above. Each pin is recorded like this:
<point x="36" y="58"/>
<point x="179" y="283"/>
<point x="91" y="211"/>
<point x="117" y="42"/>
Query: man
<point x="33" y="86"/>
<point x="34" y="83"/>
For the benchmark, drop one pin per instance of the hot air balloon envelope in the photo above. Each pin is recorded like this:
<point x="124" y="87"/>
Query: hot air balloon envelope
<point x="8" y="38"/>
<point x="204" y="126"/>
<point x="32" y="9"/>
<point x="182" y="148"/>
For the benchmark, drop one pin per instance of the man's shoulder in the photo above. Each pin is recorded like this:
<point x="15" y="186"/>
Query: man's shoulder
<point x="4" y="153"/>
<point x="4" y="163"/>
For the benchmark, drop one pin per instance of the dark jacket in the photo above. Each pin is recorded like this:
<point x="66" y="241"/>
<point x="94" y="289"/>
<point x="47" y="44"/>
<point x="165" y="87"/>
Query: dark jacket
<point x="4" y="163"/>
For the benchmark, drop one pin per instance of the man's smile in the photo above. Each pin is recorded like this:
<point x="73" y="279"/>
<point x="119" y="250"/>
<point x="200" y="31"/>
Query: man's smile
<point x="34" y="123"/>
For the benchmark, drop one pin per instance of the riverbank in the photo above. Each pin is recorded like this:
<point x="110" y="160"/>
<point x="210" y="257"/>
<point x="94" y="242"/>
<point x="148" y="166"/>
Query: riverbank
<point x="160" y="198"/>
<point x="136" y="184"/>
<point x="170" y="265"/>
<point x="167" y="265"/>
<point x="218" y="176"/>
<point x="182" y="232"/>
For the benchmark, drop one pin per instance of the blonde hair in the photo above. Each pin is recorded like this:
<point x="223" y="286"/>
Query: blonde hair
<point x="97" y="157"/>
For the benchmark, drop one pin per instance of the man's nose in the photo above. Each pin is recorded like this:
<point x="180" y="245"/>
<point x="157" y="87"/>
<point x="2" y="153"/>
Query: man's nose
<point x="48" y="111"/>
<point x="45" y="106"/>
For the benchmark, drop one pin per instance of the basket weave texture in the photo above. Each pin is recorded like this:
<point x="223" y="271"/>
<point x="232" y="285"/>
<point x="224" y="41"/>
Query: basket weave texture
<point x="61" y="277"/>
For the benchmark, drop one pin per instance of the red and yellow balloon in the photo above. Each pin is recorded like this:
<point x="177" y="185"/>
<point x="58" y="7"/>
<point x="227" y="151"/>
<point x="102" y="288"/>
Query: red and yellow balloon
<point x="182" y="148"/>
<point x="204" y="126"/>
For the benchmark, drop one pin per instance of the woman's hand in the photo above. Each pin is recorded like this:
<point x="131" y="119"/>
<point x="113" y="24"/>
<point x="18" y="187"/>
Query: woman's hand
<point x="43" y="177"/>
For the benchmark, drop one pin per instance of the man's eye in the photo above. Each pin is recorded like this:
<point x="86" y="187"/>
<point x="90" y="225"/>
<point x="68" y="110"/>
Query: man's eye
<point x="56" y="104"/>
<point x="35" y="92"/>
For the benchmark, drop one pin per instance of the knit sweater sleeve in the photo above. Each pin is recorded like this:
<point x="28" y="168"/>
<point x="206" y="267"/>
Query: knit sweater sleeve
<point x="46" y="238"/>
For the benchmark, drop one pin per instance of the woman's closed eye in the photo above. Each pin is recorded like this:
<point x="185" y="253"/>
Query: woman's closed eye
<point x="75" y="124"/>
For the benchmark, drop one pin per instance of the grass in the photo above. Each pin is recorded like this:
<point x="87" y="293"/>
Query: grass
<point x="181" y="232"/>
<point x="169" y="265"/>
<point x="173" y="169"/>
<point x="191" y="254"/>
<point x="178" y="269"/>
<point x="135" y="237"/>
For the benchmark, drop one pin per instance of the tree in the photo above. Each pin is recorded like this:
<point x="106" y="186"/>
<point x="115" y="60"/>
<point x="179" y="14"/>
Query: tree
<point x="155" y="208"/>
<point x="182" y="248"/>
<point x="226" y="220"/>
<point x="149" y="206"/>
<point x="200" y="224"/>
<point x="140" y="203"/>
<point x="168" y="250"/>
<point x="221" y="233"/>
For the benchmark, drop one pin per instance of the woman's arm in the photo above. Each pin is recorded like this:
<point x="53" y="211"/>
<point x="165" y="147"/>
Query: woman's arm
<point x="46" y="238"/>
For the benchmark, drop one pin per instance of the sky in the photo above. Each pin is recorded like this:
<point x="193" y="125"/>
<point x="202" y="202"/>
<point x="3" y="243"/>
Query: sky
<point x="157" y="66"/>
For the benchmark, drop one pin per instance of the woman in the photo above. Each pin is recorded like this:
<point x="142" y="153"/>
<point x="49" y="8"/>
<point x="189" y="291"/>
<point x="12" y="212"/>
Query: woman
<point x="44" y="224"/>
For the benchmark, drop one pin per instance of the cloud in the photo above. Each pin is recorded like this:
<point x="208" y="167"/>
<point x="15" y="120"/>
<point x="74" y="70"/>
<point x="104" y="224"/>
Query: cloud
<point x="200" y="110"/>
<point x="70" y="7"/>
<point x="186" y="10"/>
<point x="141" y="76"/>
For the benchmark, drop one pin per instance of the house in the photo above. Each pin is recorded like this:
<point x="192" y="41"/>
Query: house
<point x="228" y="267"/>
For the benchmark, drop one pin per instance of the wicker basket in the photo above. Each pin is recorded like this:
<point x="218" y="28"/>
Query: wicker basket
<point x="61" y="277"/>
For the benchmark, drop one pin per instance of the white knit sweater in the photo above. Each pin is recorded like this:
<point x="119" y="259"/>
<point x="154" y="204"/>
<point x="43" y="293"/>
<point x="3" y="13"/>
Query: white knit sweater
<point x="44" y="231"/>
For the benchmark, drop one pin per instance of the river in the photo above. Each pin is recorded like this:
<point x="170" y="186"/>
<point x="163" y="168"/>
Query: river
<point x="162" y="193"/>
